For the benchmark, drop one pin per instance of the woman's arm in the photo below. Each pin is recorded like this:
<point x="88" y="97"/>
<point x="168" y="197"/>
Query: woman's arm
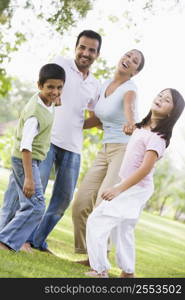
<point x="128" y="107"/>
<point x="146" y="166"/>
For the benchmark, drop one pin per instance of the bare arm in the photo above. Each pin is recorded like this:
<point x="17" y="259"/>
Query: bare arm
<point x="28" y="187"/>
<point x="128" y="106"/>
<point x="146" y="166"/>
<point x="92" y="121"/>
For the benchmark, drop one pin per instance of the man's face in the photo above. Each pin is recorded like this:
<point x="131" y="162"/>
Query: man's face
<point x="86" y="52"/>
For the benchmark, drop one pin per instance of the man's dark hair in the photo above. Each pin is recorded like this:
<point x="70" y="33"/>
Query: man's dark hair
<point x="51" y="71"/>
<point x="92" y="35"/>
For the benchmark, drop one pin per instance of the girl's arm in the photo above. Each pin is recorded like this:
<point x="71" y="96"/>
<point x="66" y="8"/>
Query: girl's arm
<point x="146" y="166"/>
<point x="128" y="107"/>
<point x="29" y="186"/>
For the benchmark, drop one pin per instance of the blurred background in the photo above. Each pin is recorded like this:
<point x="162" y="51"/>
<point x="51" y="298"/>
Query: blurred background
<point x="33" y="32"/>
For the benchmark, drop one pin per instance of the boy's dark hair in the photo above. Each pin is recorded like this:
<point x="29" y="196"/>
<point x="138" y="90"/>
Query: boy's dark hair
<point x="92" y="35"/>
<point x="165" y="126"/>
<point x="51" y="71"/>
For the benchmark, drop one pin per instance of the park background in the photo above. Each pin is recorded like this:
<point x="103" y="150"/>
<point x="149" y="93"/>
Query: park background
<point x="32" y="33"/>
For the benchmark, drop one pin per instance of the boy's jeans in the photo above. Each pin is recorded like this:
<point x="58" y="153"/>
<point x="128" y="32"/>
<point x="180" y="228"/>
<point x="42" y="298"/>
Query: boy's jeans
<point x="30" y="211"/>
<point x="10" y="203"/>
<point x="67" y="165"/>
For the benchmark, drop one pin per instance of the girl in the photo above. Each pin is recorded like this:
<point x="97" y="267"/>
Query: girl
<point x="124" y="202"/>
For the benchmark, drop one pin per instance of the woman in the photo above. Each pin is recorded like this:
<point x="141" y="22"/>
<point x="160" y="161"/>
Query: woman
<point x="116" y="110"/>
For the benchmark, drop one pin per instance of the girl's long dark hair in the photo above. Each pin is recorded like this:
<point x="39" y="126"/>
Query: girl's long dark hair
<point x="165" y="126"/>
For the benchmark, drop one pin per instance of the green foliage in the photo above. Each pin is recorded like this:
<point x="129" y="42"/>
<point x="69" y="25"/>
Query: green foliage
<point x="168" y="197"/>
<point x="66" y="13"/>
<point x="6" y="48"/>
<point x="6" y="145"/>
<point x="61" y="14"/>
<point x="91" y="145"/>
<point x="13" y="102"/>
<point x="101" y="70"/>
<point x="5" y="83"/>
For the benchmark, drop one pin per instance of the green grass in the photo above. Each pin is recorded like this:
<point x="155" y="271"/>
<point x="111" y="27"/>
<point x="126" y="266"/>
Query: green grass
<point x="160" y="250"/>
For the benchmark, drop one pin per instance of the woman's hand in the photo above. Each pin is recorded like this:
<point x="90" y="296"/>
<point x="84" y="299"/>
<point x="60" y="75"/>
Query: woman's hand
<point x="111" y="193"/>
<point x="128" y="128"/>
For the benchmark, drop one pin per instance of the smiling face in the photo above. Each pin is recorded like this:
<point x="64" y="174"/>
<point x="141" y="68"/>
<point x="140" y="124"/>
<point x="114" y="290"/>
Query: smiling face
<point x="86" y="52"/>
<point x="51" y="90"/>
<point x="129" y="63"/>
<point x="162" y="104"/>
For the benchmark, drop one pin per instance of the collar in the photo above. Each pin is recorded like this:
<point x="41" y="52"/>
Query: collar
<point x="73" y="66"/>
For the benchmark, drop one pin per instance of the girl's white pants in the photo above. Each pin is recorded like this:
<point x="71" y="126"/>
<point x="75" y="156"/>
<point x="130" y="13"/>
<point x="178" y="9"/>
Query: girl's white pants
<point x="117" y="217"/>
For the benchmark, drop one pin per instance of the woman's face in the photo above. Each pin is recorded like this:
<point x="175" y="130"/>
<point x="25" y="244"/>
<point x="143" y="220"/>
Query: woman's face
<point x="129" y="63"/>
<point x="163" y="103"/>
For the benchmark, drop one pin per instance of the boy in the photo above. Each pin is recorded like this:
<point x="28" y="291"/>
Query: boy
<point x="32" y="141"/>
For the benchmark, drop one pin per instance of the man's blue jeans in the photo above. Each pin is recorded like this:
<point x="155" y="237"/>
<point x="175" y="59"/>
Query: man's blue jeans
<point x="29" y="211"/>
<point x="67" y="165"/>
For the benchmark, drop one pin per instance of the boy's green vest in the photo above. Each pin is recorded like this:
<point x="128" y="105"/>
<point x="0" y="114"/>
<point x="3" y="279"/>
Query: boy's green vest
<point x="41" y="142"/>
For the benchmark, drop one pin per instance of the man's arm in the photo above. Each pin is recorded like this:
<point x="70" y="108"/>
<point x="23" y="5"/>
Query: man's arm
<point x="92" y="121"/>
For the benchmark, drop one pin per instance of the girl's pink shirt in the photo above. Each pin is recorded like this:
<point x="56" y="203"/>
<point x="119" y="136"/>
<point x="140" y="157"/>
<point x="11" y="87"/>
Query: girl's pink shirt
<point x="141" y="141"/>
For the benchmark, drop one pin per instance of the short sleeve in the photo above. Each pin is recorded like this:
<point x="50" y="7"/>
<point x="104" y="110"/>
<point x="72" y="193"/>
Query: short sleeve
<point x="157" y="144"/>
<point x="131" y="86"/>
<point x="92" y="102"/>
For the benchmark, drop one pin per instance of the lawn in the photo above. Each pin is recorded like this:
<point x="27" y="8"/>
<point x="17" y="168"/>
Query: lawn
<point x="160" y="250"/>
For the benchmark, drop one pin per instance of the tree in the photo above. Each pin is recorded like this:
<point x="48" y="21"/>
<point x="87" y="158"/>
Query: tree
<point x="168" y="197"/>
<point x="61" y="14"/>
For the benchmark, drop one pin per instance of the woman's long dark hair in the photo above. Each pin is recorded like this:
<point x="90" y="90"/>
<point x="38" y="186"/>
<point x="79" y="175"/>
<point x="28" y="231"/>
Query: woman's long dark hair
<point x="165" y="126"/>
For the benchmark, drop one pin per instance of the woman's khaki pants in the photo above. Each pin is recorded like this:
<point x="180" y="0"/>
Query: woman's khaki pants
<point x="102" y="175"/>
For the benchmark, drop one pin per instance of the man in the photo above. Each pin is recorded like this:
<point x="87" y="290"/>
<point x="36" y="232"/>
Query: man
<point x="81" y="92"/>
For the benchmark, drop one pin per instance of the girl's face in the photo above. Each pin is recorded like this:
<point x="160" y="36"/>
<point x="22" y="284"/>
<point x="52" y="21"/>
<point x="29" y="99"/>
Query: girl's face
<point x="163" y="104"/>
<point x="129" y="63"/>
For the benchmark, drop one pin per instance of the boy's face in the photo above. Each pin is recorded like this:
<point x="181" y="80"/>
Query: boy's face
<point x="51" y="91"/>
